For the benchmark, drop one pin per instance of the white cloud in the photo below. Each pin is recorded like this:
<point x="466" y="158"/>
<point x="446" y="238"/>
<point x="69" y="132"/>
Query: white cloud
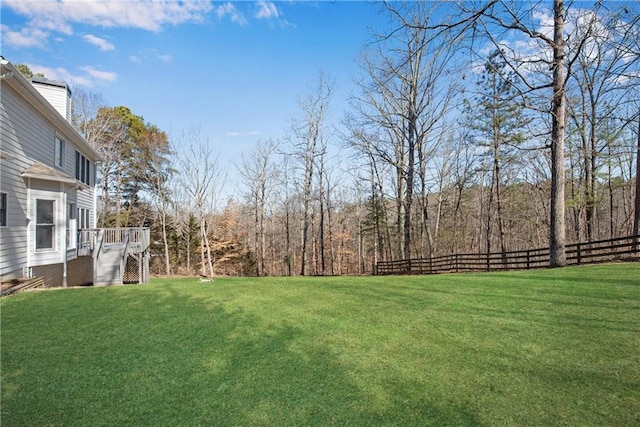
<point x="103" y="44"/>
<point x="544" y="17"/>
<point x="286" y="24"/>
<point x="267" y="10"/>
<point x="87" y="78"/>
<point x="100" y="75"/>
<point x="165" y="57"/>
<point x="229" y="9"/>
<point x="144" y="14"/>
<point x="26" y="37"/>
<point x="60" y="74"/>
<point x="234" y="134"/>
<point x="145" y="55"/>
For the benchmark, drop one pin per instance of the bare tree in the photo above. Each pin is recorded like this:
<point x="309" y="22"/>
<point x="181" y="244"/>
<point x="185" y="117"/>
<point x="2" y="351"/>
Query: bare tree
<point x="496" y="123"/>
<point x="158" y="174"/>
<point x="310" y="144"/>
<point x="636" y="216"/>
<point x="515" y="18"/>
<point x="202" y="179"/>
<point x="406" y="92"/>
<point x="603" y="78"/>
<point x="361" y="140"/>
<point x="99" y="125"/>
<point x="85" y="106"/>
<point x="260" y="172"/>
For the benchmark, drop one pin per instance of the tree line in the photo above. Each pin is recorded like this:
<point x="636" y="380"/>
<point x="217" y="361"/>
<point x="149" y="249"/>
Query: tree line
<point x="475" y="127"/>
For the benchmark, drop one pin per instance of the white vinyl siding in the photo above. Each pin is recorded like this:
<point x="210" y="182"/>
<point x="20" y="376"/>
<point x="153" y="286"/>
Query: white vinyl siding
<point x="29" y="137"/>
<point x="13" y="238"/>
<point x="57" y="96"/>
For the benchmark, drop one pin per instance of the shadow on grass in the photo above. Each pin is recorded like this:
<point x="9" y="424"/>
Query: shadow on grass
<point x="596" y="274"/>
<point x="601" y="308"/>
<point x="170" y="356"/>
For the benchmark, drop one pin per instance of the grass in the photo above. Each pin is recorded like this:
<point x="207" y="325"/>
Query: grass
<point x="545" y="347"/>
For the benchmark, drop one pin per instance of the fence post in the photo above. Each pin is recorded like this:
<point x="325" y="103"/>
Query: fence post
<point x="528" y="259"/>
<point x="488" y="261"/>
<point x="578" y="254"/>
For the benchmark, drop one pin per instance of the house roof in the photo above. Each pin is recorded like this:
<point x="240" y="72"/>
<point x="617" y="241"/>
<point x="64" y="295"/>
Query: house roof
<point x="13" y="78"/>
<point x="48" y="82"/>
<point x="40" y="171"/>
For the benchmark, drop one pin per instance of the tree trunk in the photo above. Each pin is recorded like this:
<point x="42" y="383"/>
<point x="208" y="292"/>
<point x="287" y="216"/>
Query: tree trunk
<point x="323" y="261"/>
<point x="503" y="248"/>
<point x="305" y="227"/>
<point x="203" y="271"/>
<point x="188" y="242"/>
<point x="558" y="256"/>
<point x="118" y="201"/>
<point x="208" y="247"/>
<point x="489" y="215"/>
<point x="167" y="263"/>
<point x="263" y="243"/>
<point x="400" y="205"/>
<point x="408" y="200"/>
<point x="636" y="217"/>
<point x="256" y="243"/>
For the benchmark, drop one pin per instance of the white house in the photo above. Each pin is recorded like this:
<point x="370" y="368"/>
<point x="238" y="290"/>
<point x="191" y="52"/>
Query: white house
<point x="47" y="182"/>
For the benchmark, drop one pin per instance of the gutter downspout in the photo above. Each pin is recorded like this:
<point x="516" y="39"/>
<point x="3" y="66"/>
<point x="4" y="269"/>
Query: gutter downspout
<point x="62" y="211"/>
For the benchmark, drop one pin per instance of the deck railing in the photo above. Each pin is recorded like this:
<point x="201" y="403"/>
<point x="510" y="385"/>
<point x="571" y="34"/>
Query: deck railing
<point x="138" y="239"/>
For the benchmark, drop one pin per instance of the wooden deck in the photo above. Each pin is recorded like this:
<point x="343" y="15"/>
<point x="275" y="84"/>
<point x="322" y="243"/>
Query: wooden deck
<point x="120" y="255"/>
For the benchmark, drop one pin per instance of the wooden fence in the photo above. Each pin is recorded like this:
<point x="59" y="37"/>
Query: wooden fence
<point x="619" y="249"/>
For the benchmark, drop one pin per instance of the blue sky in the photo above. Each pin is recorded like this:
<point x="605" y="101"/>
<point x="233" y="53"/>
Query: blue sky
<point x="235" y="69"/>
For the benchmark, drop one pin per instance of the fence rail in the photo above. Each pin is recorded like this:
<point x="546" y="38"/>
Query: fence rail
<point x="621" y="248"/>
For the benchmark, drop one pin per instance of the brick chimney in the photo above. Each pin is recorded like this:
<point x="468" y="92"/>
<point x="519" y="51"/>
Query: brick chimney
<point x="57" y="93"/>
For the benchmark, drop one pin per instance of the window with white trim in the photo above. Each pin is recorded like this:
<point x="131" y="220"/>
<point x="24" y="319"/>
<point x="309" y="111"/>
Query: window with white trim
<point x="45" y="225"/>
<point x="58" y="152"/>
<point x="83" y="218"/>
<point x="71" y="226"/>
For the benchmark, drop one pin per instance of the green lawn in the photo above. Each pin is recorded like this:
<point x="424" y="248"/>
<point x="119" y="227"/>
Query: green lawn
<point x="544" y="347"/>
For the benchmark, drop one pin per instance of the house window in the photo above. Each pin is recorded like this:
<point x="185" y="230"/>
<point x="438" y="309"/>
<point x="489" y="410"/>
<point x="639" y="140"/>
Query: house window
<point x="71" y="226"/>
<point x="3" y="209"/>
<point x="59" y="153"/>
<point x="83" y="168"/>
<point x="44" y="224"/>
<point x="83" y="218"/>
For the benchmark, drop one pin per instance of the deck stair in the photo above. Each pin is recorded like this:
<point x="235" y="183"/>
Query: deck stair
<point x="120" y="255"/>
<point x="108" y="269"/>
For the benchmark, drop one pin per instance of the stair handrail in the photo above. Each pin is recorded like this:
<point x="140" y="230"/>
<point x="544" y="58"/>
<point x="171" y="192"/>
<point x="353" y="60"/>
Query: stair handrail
<point x="99" y="244"/>
<point x="145" y="238"/>
<point x="124" y="254"/>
